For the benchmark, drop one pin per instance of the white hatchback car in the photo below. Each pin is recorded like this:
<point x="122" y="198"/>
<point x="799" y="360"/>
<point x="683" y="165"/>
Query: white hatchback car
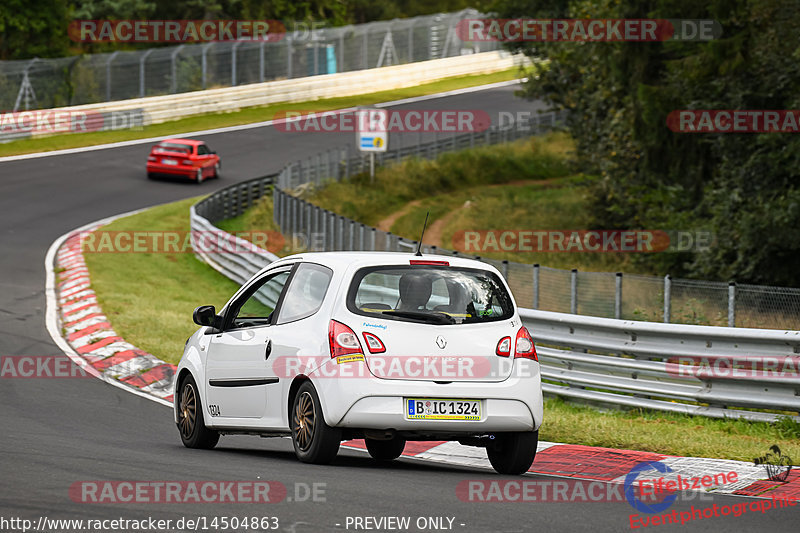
<point x="388" y="347"/>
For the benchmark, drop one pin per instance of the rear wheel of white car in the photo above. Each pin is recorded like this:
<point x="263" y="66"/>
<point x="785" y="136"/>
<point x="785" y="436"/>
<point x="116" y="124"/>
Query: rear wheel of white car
<point x="386" y="450"/>
<point x="513" y="453"/>
<point x="314" y="440"/>
<point x="191" y="424"/>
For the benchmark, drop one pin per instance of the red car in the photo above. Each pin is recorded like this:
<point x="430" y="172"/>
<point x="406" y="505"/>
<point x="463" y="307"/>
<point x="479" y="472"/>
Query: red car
<point x="183" y="157"/>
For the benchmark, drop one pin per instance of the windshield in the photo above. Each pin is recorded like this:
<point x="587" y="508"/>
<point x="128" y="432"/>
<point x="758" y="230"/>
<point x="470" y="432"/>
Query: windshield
<point x="173" y="147"/>
<point x="433" y="295"/>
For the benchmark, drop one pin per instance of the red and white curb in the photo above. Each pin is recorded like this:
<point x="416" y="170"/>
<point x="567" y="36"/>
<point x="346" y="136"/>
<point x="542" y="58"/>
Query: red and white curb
<point x="77" y="324"/>
<point x="84" y="333"/>
<point x="612" y="466"/>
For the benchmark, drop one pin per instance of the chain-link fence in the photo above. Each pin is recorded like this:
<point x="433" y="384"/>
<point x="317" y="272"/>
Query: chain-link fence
<point x="86" y="79"/>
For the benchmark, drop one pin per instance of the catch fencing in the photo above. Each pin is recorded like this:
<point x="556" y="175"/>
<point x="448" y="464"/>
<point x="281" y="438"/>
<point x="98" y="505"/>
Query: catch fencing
<point x="86" y="79"/>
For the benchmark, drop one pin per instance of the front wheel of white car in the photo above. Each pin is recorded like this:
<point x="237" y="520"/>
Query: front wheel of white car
<point x="513" y="453"/>
<point x="314" y="440"/>
<point x="191" y="424"/>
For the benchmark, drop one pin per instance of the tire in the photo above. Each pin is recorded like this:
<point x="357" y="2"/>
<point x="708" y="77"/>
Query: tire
<point x="199" y="176"/>
<point x="151" y="176"/>
<point x="513" y="453"/>
<point x="217" y="168"/>
<point x="191" y="424"/>
<point x="314" y="441"/>
<point x="386" y="450"/>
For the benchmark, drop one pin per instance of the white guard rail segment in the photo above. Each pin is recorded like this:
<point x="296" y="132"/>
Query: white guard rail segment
<point x="158" y="109"/>
<point x="628" y="361"/>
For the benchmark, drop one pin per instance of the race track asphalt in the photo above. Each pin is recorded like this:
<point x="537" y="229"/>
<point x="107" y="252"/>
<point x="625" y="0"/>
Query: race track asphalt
<point x="56" y="432"/>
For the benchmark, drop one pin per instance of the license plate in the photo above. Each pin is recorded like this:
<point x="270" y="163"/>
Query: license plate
<point x="442" y="409"/>
<point x="169" y="161"/>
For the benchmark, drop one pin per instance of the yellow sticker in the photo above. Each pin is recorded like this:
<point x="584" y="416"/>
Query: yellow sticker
<point x="349" y="358"/>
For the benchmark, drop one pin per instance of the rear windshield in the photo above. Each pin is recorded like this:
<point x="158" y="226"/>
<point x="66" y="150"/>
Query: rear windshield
<point x="429" y="294"/>
<point x="172" y="147"/>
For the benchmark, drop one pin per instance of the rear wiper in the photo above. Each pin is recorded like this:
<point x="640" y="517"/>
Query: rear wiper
<point x="434" y="317"/>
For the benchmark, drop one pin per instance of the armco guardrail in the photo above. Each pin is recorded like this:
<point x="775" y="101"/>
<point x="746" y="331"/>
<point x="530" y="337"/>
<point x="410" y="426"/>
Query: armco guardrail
<point x="612" y="362"/>
<point x="158" y="109"/>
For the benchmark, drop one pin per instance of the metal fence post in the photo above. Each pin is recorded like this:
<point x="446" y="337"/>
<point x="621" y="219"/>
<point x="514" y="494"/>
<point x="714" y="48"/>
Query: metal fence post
<point x="351" y="237"/>
<point x="108" y="75"/>
<point x="204" y="63"/>
<point x="667" y="297"/>
<point x="388" y="244"/>
<point x="233" y="63"/>
<point x="536" y="286"/>
<point x="289" y="57"/>
<point x="732" y="304"/>
<point x="372" y="240"/>
<point x="618" y="296"/>
<point x="573" y="292"/>
<point x="261" y="60"/>
<point x="361" y="243"/>
<point x="142" y="60"/>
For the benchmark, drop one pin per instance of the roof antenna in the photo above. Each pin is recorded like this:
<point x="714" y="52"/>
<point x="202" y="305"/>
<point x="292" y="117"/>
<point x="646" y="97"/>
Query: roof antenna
<point x="419" y="244"/>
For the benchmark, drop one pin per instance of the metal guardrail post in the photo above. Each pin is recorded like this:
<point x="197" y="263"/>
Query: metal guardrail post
<point x="732" y="304"/>
<point x="372" y="234"/>
<point x="536" y="286"/>
<point x="573" y="291"/>
<point x="505" y="269"/>
<point x="618" y="295"/>
<point x="361" y="243"/>
<point x="667" y="298"/>
<point x="351" y="237"/>
<point x="388" y="244"/>
<point x="233" y="62"/>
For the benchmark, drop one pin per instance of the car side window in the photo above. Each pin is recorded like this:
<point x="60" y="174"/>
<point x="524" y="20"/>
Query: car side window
<point x="257" y="309"/>
<point x="202" y="149"/>
<point x="305" y="293"/>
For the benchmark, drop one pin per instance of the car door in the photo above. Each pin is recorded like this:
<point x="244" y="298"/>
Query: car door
<point x="204" y="156"/>
<point x="238" y="373"/>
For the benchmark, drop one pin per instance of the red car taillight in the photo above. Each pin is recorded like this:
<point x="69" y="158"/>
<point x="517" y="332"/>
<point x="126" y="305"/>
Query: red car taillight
<point x="342" y="340"/>
<point x="504" y="347"/>
<point x="187" y="162"/>
<point x="374" y="344"/>
<point x="151" y="158"/>
<point x="524" y="345"/>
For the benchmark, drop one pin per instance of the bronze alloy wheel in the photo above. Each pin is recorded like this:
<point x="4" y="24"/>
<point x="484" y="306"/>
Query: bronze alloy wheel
<point x="304" y="420"/>
<point x="187" y="414"/>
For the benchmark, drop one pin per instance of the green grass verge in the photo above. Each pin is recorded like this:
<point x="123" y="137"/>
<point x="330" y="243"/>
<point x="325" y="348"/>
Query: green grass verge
<point x="149" y="300"/>
<point x="246" y="116"/>
<point x="149" y="297"/>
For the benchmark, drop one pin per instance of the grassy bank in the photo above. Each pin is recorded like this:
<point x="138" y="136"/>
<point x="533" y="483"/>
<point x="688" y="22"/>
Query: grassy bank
<point x="149" y="299"/>
<point x="246" y="116"/>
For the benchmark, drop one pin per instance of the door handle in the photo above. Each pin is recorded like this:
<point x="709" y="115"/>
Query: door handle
<point x="268" y="350"/>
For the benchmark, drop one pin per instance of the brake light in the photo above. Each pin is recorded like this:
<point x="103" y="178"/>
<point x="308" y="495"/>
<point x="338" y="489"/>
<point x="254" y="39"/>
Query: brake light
<point x="342" y="340"/>
<point x="504" y="347"/>
<point x="151" y="158"/>
<point x="429" y="262"/>
<point x="374" y="344"/>
<point x="524" y="345"/>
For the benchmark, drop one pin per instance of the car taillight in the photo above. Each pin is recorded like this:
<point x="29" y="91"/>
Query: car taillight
<point x="151" y="158"/>
<point x="342" y="340"/>
<point x="429" y="262"/>
<point x="186" y="162"/>
<point x="524" y="346"/>
<point x="504" y="347"/>
<point x="374" y="344"/>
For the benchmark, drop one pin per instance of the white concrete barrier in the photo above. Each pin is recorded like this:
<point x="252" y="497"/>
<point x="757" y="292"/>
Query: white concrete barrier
<point x="158" y="109"/>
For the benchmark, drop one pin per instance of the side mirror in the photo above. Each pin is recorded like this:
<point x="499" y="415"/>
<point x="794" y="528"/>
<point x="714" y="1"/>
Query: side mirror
<point x="206" y="315"/>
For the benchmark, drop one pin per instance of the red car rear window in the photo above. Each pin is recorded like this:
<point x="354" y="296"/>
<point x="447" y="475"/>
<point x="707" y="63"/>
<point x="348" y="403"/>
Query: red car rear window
<point x="172" y="147"/>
